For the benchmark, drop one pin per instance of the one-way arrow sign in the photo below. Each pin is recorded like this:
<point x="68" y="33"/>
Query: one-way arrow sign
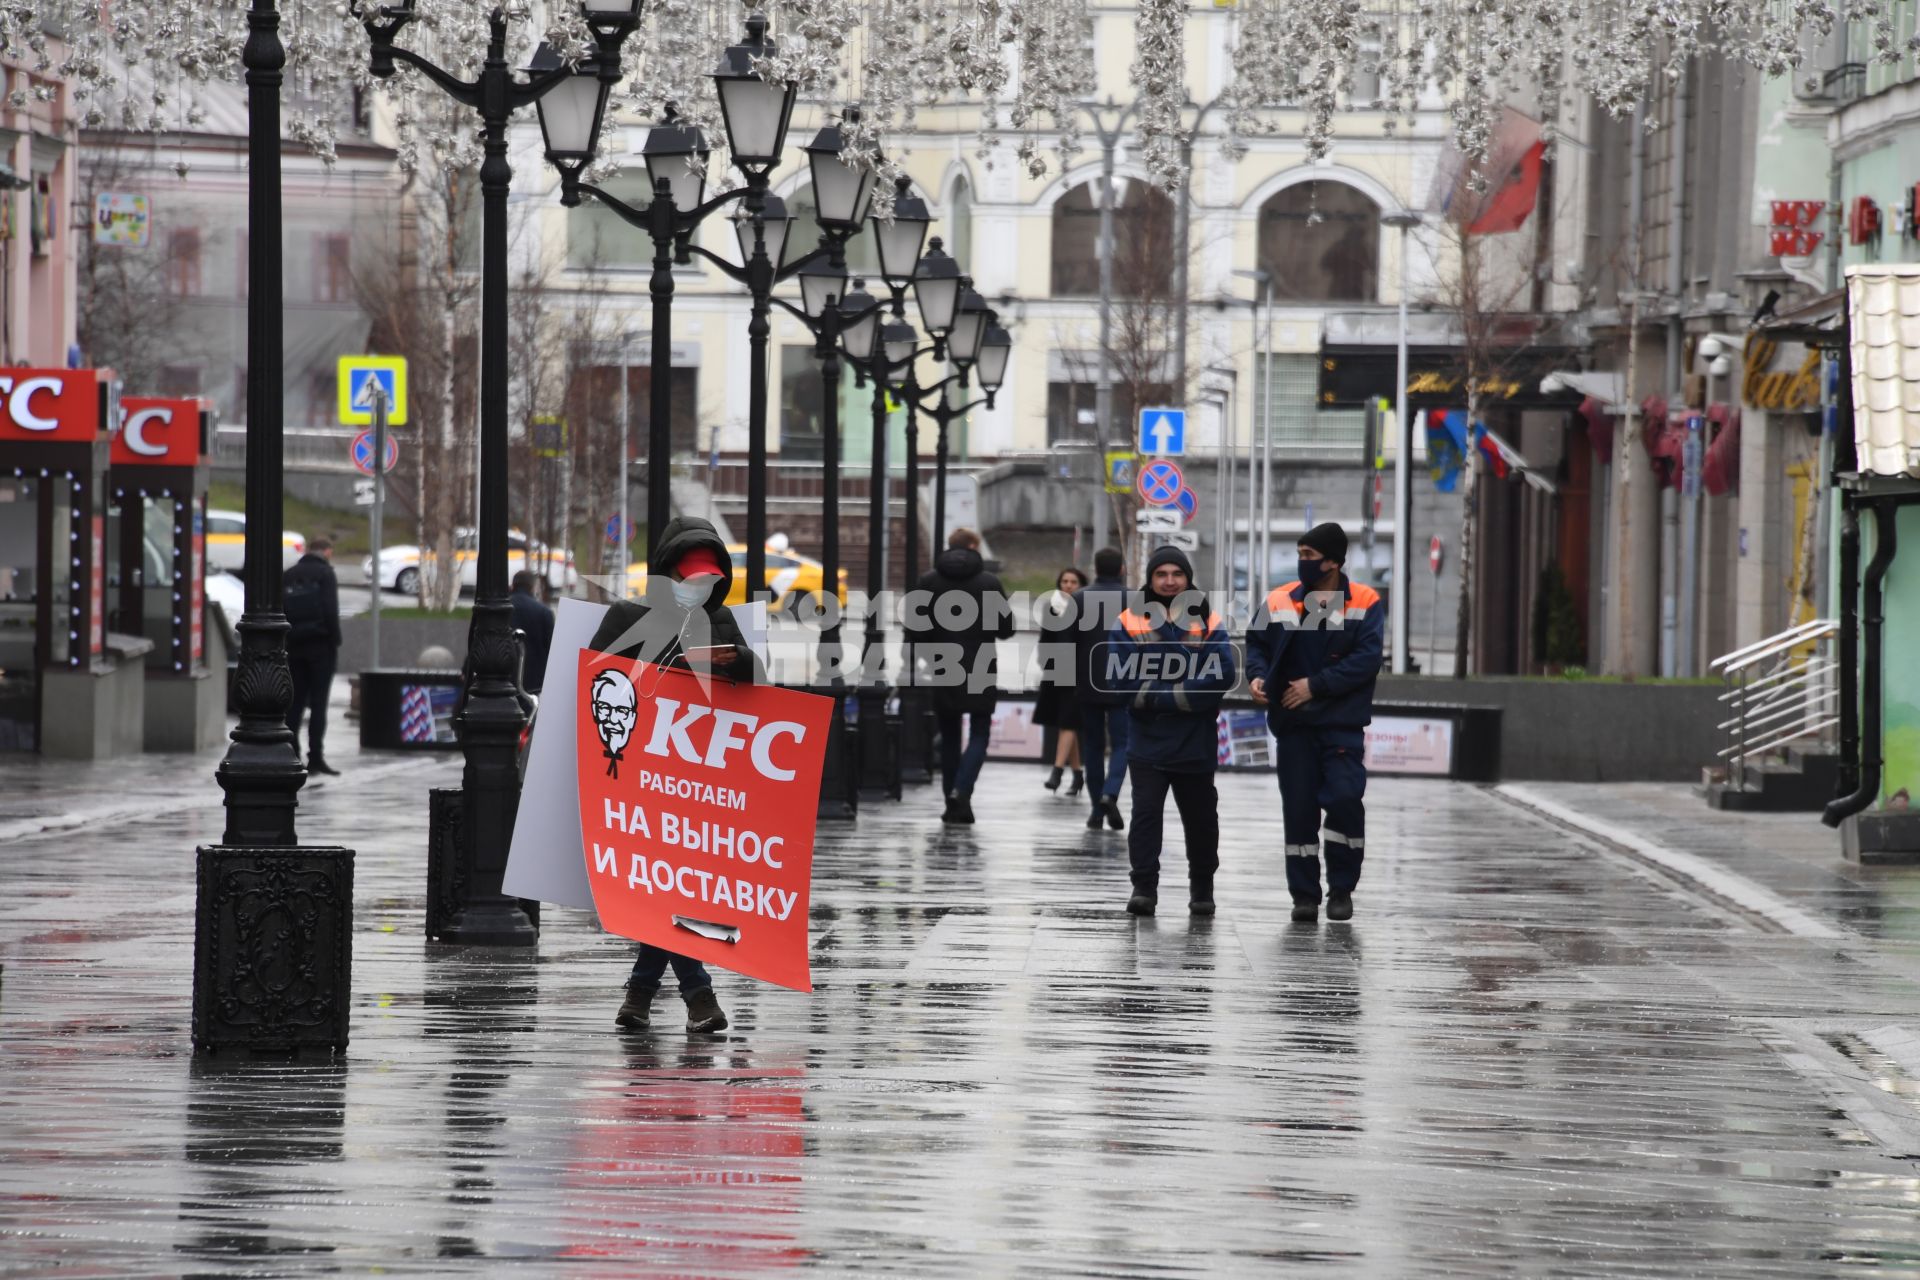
<point x="1163" y="431"/>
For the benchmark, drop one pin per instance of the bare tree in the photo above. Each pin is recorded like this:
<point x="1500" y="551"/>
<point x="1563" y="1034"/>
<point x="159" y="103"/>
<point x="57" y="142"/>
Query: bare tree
<point x="134" y="317"/>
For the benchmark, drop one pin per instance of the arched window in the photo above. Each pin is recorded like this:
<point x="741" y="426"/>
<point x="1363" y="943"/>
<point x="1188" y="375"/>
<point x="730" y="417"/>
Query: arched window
<point x="1142" y="242"/>
<point x="960" y="223"/>
<point x="803" y="236"/>
<point x="1321" y="242"/>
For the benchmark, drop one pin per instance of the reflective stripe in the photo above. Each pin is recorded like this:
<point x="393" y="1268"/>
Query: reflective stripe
<point x="1334" y="837"/>
<point x="1303" y="851"/>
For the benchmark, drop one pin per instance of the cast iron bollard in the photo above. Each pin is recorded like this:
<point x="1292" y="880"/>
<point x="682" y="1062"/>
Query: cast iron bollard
<point x="273" y="948"/>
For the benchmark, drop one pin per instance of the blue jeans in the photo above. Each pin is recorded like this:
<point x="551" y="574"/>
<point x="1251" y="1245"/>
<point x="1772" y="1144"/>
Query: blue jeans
<point x="651" y="966"/>
<point x="1098" y="727"/>
<point x="959" y="770"/>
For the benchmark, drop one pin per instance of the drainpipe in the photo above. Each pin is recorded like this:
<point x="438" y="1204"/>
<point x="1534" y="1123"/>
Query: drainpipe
<point x="1885" y="542"/>
<point x="1849" y="655"/>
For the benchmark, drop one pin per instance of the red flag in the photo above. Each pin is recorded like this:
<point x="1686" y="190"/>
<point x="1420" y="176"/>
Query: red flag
<point x="1508" y="206"/>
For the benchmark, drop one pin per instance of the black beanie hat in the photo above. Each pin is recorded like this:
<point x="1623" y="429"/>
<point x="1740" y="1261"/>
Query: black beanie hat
<point x="1172" y="556"/>
<point x="1329" y="539"/>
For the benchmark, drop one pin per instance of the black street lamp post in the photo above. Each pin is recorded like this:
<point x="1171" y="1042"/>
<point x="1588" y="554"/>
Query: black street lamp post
<point x="756" y="113"/>
<point x="469" y="845"/>
<point x="266" y="907"/>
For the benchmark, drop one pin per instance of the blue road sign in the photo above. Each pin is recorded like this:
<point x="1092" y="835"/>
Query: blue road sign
<point x="1187" y="504"/>
<point x="1160" y="483"/>
<point x="613" y="530"/>
<point x="357" y="376"/>
<point x="363" y="453"/>
<point x="1163" y="431"/>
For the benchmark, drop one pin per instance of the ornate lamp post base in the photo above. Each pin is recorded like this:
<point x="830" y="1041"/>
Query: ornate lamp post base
<point x="458" y="911"/>
<point x="273" y="949"/>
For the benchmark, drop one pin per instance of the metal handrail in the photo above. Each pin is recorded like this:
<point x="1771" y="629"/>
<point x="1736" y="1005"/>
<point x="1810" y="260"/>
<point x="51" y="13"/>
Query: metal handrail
<point x="1792" y="638"/>
<point x="1777" y="694"/>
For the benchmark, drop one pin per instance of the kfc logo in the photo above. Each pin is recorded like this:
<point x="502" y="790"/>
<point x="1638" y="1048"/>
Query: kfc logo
<point x="157" y="433"/>
<point x="50" y="404"/>
<point x="614" y="706"/>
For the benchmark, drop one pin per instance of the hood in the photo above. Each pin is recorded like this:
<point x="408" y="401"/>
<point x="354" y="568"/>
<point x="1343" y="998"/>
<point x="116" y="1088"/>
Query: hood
<point x="682" y="535"/>
<point x="959" y="563"/>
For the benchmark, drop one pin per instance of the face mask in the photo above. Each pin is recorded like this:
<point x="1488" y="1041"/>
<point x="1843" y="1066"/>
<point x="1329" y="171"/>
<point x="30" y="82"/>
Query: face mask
<point x="692" y="593"/>
<point x="1311" y="571"/>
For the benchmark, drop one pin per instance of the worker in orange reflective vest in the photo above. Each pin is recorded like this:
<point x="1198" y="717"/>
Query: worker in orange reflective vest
<point x="1313" y="657"/>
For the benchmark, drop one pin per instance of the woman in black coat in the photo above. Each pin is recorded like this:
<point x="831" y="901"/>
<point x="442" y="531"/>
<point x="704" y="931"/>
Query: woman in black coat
<point x="1057" y="705"/>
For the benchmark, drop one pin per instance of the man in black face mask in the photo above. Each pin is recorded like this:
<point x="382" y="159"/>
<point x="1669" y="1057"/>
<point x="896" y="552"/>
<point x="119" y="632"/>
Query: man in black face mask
<point x="1313" y="657"/>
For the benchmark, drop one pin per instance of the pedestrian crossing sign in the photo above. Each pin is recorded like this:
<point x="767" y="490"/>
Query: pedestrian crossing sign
<point x="358" y="375"/>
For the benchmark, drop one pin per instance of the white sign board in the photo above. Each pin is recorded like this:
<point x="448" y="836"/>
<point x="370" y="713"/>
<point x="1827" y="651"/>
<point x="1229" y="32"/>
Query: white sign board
<point x="1185" y="539"/>
<point x="1157" y="519"/>
<point x="544" y="861"/>
<point x="963" y="505"/>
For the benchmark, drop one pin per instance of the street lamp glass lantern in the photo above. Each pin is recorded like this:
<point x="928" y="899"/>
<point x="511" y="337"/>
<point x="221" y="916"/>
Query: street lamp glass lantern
<point x="821" y="281"/>
<point x="936" y="288"/>
<point x="898" y="339"/>
<point x="670" y="153"/>
<point x="775" y="221"/>
<point x="969" y="326"/>
<point x="900" y="241"/>
<point x="842" y="192"/>
<point x="571" y="111"/>
<point x="859" y="324"/>
<point x="995" y="348"/>
<point x="756" y="112"/>
<point x="609" y="10"/>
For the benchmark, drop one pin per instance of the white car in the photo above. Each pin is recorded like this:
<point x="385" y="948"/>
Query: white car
<point x="400" y="566"/>
<point x="227" y="542"/>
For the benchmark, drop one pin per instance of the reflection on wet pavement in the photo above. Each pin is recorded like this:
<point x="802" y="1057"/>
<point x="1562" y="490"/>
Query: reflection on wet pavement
<point x="1523" y="1058"/>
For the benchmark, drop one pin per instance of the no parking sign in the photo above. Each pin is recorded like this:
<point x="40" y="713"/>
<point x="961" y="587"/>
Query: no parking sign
<point x="1160" y="483"/>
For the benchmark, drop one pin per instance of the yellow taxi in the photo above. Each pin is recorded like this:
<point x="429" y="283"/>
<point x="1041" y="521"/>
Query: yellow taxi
<point x="227" y="542"/>
<point x="790" y="578"/>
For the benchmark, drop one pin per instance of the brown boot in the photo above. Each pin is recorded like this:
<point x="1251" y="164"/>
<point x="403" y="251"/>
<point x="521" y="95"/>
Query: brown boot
<point x="704" y="1013"/>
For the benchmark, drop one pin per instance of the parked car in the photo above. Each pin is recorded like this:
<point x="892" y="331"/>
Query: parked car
<point x="227" y="542"/>
<point x="790" y="578"/>
<point x="400" y="566"/>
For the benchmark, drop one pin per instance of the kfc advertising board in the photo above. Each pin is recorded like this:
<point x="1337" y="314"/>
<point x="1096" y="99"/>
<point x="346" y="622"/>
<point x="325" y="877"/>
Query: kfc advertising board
<point x="697" y="806"/>
<point x="157" y="433"/>
<point x="50" y="405"/>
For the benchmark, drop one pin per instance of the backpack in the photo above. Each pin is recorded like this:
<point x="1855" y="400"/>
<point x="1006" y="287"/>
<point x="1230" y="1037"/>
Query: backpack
<point x="306" y="609"/>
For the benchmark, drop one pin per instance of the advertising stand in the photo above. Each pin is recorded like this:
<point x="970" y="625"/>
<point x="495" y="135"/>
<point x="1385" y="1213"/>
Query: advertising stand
<point x="158" y="482"/>
<point x="68" y="687"/>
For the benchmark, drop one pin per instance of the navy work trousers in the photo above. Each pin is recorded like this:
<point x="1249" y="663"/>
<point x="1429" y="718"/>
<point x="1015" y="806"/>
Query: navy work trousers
<point x="1199" y="806"/>
<point x="1323" y="771"/>
<point x="1102" y="728"/>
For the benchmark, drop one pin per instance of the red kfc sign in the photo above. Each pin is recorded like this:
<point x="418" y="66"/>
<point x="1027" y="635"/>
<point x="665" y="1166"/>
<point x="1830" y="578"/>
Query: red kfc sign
<point x="697" y="806"/>
<point x="51" y="404"/>
<point x="157" y="433"/>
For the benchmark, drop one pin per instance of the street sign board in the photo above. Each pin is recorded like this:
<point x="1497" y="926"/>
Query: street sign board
<point x="363" y="493"/>
<point x="1160" y="483"/>
<point x="1156" y="519"/>
<point x="1163" y="431"/>
<point x="613" y="530"/>
<point x="548" y="435"/>
<point x="362" y="452"/>
<point x="1186" y="502"/>
<point x="1120" y="467"/>
<point x="1185" y="539"/>
<point x="356" y="378"/>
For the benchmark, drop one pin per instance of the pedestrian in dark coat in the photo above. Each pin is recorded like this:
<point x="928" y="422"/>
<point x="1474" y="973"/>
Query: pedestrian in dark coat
<point x="683" y="622"/>
<point x="312" y="606"/>
<point x="1056" y="704"/>
<point x="534" y="621"/>
<point x="1314" y="656"/>
<point x="1103" y="712"/>
<point x="1170" y="654"/>
<point x="958" y="612"/>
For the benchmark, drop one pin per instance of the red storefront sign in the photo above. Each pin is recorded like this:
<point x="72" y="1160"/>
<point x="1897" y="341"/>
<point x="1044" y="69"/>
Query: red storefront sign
<point x="697" y="805"/>
<point x="50" y="405"/>
<point x="1784" y="242"/>
<point x="155" y="432"/>
<point x="1796" y="214"/>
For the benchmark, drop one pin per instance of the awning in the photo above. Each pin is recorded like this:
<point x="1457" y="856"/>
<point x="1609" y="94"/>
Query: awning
<point x="1608" y="388"/>
<point x="1515" y="462"/>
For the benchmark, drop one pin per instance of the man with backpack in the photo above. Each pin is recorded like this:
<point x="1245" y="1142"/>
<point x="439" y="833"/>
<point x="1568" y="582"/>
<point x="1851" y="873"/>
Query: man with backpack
<point x="313" y="646"/>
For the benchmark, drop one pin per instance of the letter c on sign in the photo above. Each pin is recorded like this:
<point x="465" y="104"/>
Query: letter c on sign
<point x="20" y="402"/>
<point x="762" y="754"/>
<point x="135" y="431"/>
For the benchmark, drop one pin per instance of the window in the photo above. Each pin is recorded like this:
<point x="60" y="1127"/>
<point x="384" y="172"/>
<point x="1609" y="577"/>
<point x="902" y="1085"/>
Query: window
<point x="226" y="525"/>
<point x="1321" y="242"/>
<point x="960" y="222"/>
<point x="320" y="398"/>
<point x="1301" y="428"/>
<point x="802" y="406"/>
<point x="599" y="237"/>
<point x="1142" y="242"/>
<point x="183" y="262"/>
<point x="332" y="266"/>
<point x="1073" y="412"/>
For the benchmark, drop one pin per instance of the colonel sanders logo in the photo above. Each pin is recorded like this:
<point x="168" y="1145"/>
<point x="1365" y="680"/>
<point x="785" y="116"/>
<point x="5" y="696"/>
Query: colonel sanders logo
<point x="614" y="704"/>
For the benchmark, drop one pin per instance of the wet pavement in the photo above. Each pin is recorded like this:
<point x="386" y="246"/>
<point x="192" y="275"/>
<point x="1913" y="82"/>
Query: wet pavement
<point x="1531" y="1054"/>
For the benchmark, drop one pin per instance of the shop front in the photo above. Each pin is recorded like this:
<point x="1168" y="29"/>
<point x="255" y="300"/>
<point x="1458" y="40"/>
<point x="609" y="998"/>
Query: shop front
<point x="69" y="687"/>
<point x="157" y="564"/>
